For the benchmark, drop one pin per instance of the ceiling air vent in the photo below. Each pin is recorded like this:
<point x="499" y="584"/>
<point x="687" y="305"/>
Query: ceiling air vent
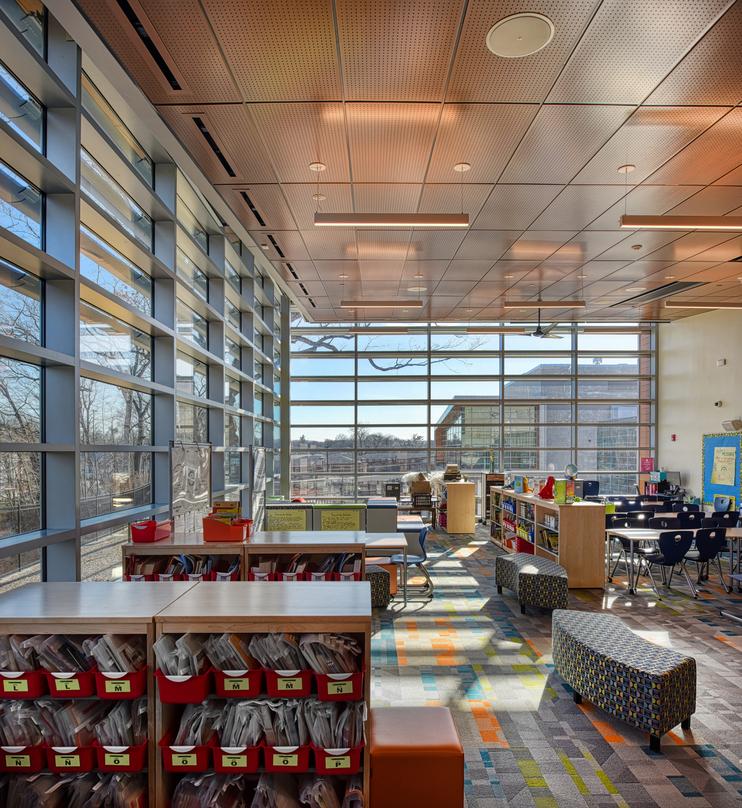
<point x="275" y="245"/>
<point x="203" y="129"/>
<point x="738" y="259"/>
<point x="292" y="271"/>
<point x="255" y="212"/>
<point x="660" y="292"/>
<point x="148" y="43"/>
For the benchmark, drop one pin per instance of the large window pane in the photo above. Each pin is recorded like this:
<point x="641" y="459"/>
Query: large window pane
<point x="232" y="392"/>
<point x="232" y="353"/>
<point x="20" y="110"/>
<point x="20" y="493"/>
<point x="537" y="365"/>
<point x="233" y="468"/>
<point x="323" y="415"/>
<point x="20" y="303"/>
<point x="101" y="187"/>
<point x="612" y="413"/>
<point x="107" y="267"/>
<point x="191" y="423"/>
<point x="232" y="431"/>
<point x="191" y="376"/>
<point x="100" y="554"/>
<point x="392" y="414"/>
<point x="620" y="341"/>
<point x="20" y="402"/>
<point x="191" y="225"/>
<point x="20" y="206"/>
<point x="321" y="343"/>
<point x="195" y="278"/>
<point x="464" y="342"/>
<point x="192" y="326"/>
<point x="234" y="279"/>
<point x="19" y="570"/>
<point x="537" y="389"/>
<point x="398" y="343"/>
<point x="104" y="115"/>
<point x="107" y="341"/>
<point x="605" y="388"/>
<point x="29" y="19"/>
<point x="325" y="437"/>
<point x="322" y="391"/>
<point x="408" y="437"/>
<point x="112" y="414"/>
<point x="114" y="481"/>
<point x="465" y="366"/>
<point x="384" y="366"/>
<point x="391" y="391"/>
<point x="464" y="390"/>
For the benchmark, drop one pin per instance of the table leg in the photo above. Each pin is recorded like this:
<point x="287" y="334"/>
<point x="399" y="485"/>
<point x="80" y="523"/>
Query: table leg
<point x="404" y="579"/>
<point x="632" y="582"/>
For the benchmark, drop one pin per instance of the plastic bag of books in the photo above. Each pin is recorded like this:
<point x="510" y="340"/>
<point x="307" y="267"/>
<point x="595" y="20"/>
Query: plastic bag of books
<point x="124" y="725"/>
<point x="210" y="791"/>
<point x="116" y="653"/>
<point x="278" y="652"/>
<point x="276" y="791"/>
<point x="331" y="653"/>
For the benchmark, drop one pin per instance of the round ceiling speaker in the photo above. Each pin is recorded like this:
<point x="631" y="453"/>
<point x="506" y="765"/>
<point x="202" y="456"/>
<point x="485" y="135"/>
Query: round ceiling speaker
<point x="520" y="35"/>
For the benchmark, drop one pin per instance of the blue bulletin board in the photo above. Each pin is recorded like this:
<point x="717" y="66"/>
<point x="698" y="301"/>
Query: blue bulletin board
<point x="722" y="468"/>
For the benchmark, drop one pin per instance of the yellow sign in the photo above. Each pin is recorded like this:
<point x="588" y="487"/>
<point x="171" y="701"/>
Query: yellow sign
<point x="340" y="519"/>
<point x="67" y="761"/>
<point x="66" y="685"/>
<point x="293" y="683"/>
<point x="724" y="469"/>
<point x="342" y="762"/>
<point x="17" y="761"/>
<point x="287" y="518"/>
<point x="118" y="686"/>
<point x="234" y="761"/>
<point x="285" y="760"/>
<point x="237" y="684"/>
<point x="15" y="686"/>
<point x="184" y="760"/>
<point x="339" y="688"/>
<point x="111" y="759"/>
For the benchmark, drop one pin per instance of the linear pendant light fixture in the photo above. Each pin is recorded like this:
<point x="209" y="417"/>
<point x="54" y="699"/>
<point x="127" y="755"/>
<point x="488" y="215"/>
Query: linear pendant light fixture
<point x="399" y="303"/>
<point x="391" y="219"/>
<point x="496" y="329"/>
<point x="700" y="304"/>
<point x="681" y="222"/>
<point x="544" y="304"/>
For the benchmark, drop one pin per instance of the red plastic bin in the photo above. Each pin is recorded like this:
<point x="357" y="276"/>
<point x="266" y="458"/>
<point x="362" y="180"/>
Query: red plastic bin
<point x="63" y="759"/>
<point x="216" y="575"/>
<point x="523" y="546"/>
<point x="22" y="759"/>
<point x="318" y="576"/>
<point x="183" y="689"/>
<point x="338" y="761"/>
<point x="260" y="575"/>
<point x="150" y="530"/>
<point x="238" y="684"/>
<point x="120" y="686"/>
<point x="339" y="686"/>
<point x="288" y="684"/>
<point x="22" y="684"/>
<point x="290" y="576"/>
<point x="238" y="530"/>
<point x="291" y="759"/>
<point x="138" y="577"/>
<point x="79" y="685"/>
<point x="122" y="758"/>
<point x="346" y="576"/>
<point x="184" y="759"/>
<point x="236" y="759"/>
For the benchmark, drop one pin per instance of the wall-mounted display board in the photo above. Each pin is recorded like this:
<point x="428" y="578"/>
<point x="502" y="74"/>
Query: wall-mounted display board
<point x="288" y="516"/>
<point x="346" y="516"/>
<point x="722" y="469"/>
<point x="190" y="477"/>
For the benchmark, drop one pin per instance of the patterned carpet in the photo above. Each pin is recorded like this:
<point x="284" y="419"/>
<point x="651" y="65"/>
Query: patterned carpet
<point x="526" y="742"/>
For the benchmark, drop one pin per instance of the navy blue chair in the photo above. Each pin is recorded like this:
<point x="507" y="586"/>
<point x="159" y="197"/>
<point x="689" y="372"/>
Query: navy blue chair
<point x="626" y="505"/>
<point x="662" y="523"/>
<point x="684" y="507"/>
<point x="673" y="547"/>
<point x="616" y="521"/>
<point x="710" y="543"/>
<point x="690" y="519"/>
<point x="726" y="519"/>
<point x="639" y="518"/>
<point x="419" y="562"/>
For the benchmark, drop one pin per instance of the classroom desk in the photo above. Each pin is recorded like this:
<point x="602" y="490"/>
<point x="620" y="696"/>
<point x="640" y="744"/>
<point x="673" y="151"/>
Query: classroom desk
<point x="640" y="534"/>
<point x="406" y="505"/>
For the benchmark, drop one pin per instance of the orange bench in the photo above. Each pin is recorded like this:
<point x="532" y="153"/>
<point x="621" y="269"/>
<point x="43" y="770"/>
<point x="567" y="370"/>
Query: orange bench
<point x="416" y="758"/>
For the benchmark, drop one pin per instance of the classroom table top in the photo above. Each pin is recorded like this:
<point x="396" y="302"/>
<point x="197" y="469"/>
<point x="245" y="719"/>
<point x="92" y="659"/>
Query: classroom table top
<point x="650" y="534"/>
<point x="318" y="537"/>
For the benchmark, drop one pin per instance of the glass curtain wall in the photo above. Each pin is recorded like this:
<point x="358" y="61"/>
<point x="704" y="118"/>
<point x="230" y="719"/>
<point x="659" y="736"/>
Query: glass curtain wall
<point x="366" y="409"/>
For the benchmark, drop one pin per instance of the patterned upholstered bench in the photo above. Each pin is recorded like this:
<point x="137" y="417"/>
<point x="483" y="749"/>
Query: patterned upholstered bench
<point x="380" y="581"/>
<point x="647" y="686"/>
<point x="536" y="581"/>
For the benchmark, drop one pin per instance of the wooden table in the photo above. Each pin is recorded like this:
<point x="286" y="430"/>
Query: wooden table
<point x="407" y="505"/>
<point x="640" y="534"/>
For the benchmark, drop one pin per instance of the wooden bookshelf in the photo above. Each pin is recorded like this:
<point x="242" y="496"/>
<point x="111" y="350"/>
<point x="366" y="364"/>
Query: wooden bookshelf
<point x="572" y="535"/>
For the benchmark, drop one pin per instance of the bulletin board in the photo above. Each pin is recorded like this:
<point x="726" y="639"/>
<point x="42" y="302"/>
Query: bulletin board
<point x="722" y="468"/>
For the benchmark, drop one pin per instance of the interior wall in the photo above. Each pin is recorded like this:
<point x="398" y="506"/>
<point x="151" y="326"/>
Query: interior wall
<point x="689" y="381"/>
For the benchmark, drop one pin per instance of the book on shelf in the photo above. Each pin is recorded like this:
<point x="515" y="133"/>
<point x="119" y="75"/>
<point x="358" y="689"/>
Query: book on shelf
<point x="549" y="540"/>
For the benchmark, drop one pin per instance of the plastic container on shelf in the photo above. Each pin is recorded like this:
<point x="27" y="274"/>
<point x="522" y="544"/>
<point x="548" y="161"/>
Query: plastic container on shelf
<point x="288" y="684"/>
<point x="22" y="684"/>
<point x="236" y="759"/>
<point x="120" y="686"/>
<point x="184" y="759"/>
<point x="260" y="575"/>
<point x="290" y="576"/>
<point x="238" y="684"/>
<point x="215" y="575"/>
<point x="319" y="576"/>
<point x="150" y="530"/>
<point x="338" y="761"/>
<point x="236" y="530"/>
<point x="64" y="759"/>
<point x="183" y="689"/>
<point x="286" y="759"/>
<point x="346" y="576"/>
<point x="122" y="758"/>
<point x="22" y="759"/>
<point x="79" y="685"/>
<point x="523" y="545"/>
<point x="339" y="686"/>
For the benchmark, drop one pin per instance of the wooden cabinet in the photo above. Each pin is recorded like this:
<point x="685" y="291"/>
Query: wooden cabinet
<point x="461" y="507"/>
<point x="572" y="535"/>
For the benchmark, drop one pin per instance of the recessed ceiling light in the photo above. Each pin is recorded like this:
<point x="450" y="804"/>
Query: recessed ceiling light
<point x="582" y="276"/>
<point x="462" y="167"/>
<point x="319" y="197"/>
<point x="627" y="168"/>
<point x="317" y="166"/>
<point x="670" y="277"/>
<point x="343" y="277"/>
<point x="417" y="288"/>
<point x="636" y="288"/>
<point x="265" y="246"/>
<point x="418" y="275"/>
<point x="636" y="246"/>
<point x="507" y="276"/>
<point x="520" y="35"/>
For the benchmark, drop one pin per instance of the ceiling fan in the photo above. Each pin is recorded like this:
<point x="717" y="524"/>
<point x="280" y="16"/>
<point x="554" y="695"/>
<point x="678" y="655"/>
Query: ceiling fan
<point x="544" y="333"/>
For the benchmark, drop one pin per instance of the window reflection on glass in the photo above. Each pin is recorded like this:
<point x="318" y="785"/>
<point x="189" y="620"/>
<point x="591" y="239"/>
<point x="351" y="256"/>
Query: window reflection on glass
<point x="29" y="19"/>
<point x="114" y="481"/>
<point x="20" y="402"/>
<point x="20" y="110"/>
<point x="232" y="431"/>
<point x="113" y="414"/>
<point x="20" y="206"/>
<point x="20" y="303"/>
<point x="258" y="430"/>
<point x="19" y="570"/>
<point x="104" y="115"/>
<point x="258" y="404"/>
<point x="191" y="423"/>
<point x="191" y="225"/>
<point x="233" y="315"/>
<point x="232" y="352"/>
<point x="232" y="468"/>
<point x="192" y="326"/>
<point x="106" y="266"/>
<point x="100" y="554"/>
<point x="191" y="376"/>
<point x="232" y="392"/>
<point x="234" y="279"/>
<point x="101" y="187"/>
<point x="196" y="280"/>
<point x="20" y="493"/>
<point x="108" y="341"/>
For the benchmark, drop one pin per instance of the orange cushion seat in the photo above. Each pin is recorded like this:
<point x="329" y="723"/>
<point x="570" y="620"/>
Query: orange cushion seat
<point x="416" y="758"/>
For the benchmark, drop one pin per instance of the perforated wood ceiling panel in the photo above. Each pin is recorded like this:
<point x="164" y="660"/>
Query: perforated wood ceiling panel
<point x="389" y="95"/>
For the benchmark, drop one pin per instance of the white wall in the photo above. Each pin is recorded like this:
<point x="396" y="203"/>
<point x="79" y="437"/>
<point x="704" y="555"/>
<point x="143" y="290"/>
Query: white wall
<point x="689" y="382"/>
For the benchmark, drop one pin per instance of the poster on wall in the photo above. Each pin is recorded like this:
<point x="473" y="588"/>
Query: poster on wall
<point x="190" y="478"/>
<point x="723" y="470"/>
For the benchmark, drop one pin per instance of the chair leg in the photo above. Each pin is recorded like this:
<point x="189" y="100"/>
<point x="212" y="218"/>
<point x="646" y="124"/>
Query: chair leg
<point x="721" y="575"/>
<point x="499" y="589"/>
<point x="685" y="724"/>
<point x="621" y="553"/>
<point x="688" y="580"/>
<point x="576" y="697"/>
<point x="672" y="572"/>
<point x="654" y="743"/>
<point x="428" y="579"/>
<point x="651" y="578"/>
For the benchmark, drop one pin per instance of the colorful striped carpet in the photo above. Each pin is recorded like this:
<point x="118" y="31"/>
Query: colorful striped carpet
<point x="526" y="742"/>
